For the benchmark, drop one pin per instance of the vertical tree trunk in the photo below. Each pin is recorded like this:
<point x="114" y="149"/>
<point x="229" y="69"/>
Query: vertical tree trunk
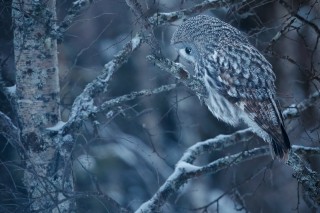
<point x="37" y="80"/>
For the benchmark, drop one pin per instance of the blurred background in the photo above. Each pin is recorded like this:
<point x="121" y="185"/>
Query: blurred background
<point x="130" y="150"/>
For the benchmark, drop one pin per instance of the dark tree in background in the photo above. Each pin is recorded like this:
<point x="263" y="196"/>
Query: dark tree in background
<point x="97" y="116"/>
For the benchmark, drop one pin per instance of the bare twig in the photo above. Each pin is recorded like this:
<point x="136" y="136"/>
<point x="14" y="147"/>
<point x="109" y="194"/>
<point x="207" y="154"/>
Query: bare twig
<point x="147" y="28"/>
<point x="136" y="7"/>
<point x="111" y="203"/>
<point x="299" y="17"/>
<point x="281" y="33"/>
<point x="164" y="18"/>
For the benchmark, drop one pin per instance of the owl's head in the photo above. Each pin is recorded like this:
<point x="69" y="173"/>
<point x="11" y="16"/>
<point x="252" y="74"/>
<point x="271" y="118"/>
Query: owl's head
<point x="200" y="35"/>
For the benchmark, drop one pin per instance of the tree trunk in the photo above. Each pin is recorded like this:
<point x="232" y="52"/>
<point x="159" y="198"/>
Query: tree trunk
<point x="47" y="177"/>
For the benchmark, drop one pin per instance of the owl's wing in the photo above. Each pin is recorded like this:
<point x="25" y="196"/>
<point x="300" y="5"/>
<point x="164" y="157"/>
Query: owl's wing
<point x="245" y="78"/>
<point x="266" y="114"/>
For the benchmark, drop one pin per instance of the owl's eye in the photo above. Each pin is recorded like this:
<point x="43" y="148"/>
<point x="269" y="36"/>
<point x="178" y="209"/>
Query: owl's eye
<point x="188" y="50"/>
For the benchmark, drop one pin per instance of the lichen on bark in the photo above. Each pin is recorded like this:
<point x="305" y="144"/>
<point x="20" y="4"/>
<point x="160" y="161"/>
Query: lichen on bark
<point x="37" y="81"/>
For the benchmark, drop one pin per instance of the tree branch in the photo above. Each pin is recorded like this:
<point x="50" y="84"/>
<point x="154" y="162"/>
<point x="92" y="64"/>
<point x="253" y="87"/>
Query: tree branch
<point x="147" y="28"/>
<point x="77" y="7"/>
<point x="184" y="170"/>
<point x="134" y="95"/>
<point x="83" y="106"/>
<point x="309" y="179"/>
<point x="306" y="151"/>
<point x="164" y="18"/>
<point x="180" y="73"/>
<point x="136" y="7"/>
<point x="9" y="130"/>
<point x="295" y="110"/>
<point x="302" y="19"/>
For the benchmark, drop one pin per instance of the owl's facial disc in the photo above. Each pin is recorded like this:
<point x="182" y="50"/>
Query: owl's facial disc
<point x="187" y="51"/>
<point x="188" y="54"/>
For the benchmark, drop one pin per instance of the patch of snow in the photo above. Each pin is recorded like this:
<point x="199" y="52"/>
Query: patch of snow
<point x="24" y="101"/>
<point x="135" y="42"/>
<point x="68" y="138"/>
<point x="57" y="127"/>
<point x="187" y="167"/>
<point x="12" y="90"/>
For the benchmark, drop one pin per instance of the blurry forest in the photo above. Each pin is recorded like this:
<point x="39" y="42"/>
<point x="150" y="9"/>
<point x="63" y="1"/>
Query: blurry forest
<point x="111" y="133"/>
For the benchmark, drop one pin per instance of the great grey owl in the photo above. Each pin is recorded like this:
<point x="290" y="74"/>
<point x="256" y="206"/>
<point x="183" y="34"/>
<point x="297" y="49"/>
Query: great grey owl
<point x="238" y="79"/>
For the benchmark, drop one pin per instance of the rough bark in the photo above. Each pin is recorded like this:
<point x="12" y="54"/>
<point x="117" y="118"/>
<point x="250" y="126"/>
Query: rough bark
<point x="47" y="176"/>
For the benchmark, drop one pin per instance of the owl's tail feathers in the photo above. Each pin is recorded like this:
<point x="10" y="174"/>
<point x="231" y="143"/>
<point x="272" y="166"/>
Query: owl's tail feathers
<point x="281" y="147"/>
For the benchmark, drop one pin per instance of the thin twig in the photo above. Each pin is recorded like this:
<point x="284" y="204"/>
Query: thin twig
<point x="165" y="18"/>
<point x="77" y="7"/>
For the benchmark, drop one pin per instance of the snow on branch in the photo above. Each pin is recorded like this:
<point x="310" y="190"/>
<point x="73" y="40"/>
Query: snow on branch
<point x="295" y="109"/>
<point x="306" y="151"/>
<point x="83" y="106"/>
<point x="215" y="144"/>
<point x="185" y="170"/>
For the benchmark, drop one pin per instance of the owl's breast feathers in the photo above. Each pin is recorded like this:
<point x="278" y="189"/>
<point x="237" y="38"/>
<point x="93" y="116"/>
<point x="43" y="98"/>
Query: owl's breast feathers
<point x="245" y="78"/>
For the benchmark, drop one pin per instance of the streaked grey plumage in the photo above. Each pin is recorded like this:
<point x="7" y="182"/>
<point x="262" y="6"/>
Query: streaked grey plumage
<point x="239" y="80"/>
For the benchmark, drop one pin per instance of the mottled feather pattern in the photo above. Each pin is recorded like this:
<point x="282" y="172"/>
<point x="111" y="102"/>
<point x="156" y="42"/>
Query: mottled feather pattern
<point x="239" y="80"/>
<point x="210" y="29"/>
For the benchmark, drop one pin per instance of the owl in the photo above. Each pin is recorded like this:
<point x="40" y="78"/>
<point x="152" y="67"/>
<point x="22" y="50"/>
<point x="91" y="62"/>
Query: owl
<point x="238" y="79"/>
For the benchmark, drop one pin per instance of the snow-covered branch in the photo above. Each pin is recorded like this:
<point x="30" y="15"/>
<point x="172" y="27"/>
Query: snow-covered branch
<point x="215" y="144"/>
<point x="309" y="179"/>
<point x="295" y="109"/>
<point x="83" y="105"/>
<point x="306" y="151"/>
<point x="184" y="169"/>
